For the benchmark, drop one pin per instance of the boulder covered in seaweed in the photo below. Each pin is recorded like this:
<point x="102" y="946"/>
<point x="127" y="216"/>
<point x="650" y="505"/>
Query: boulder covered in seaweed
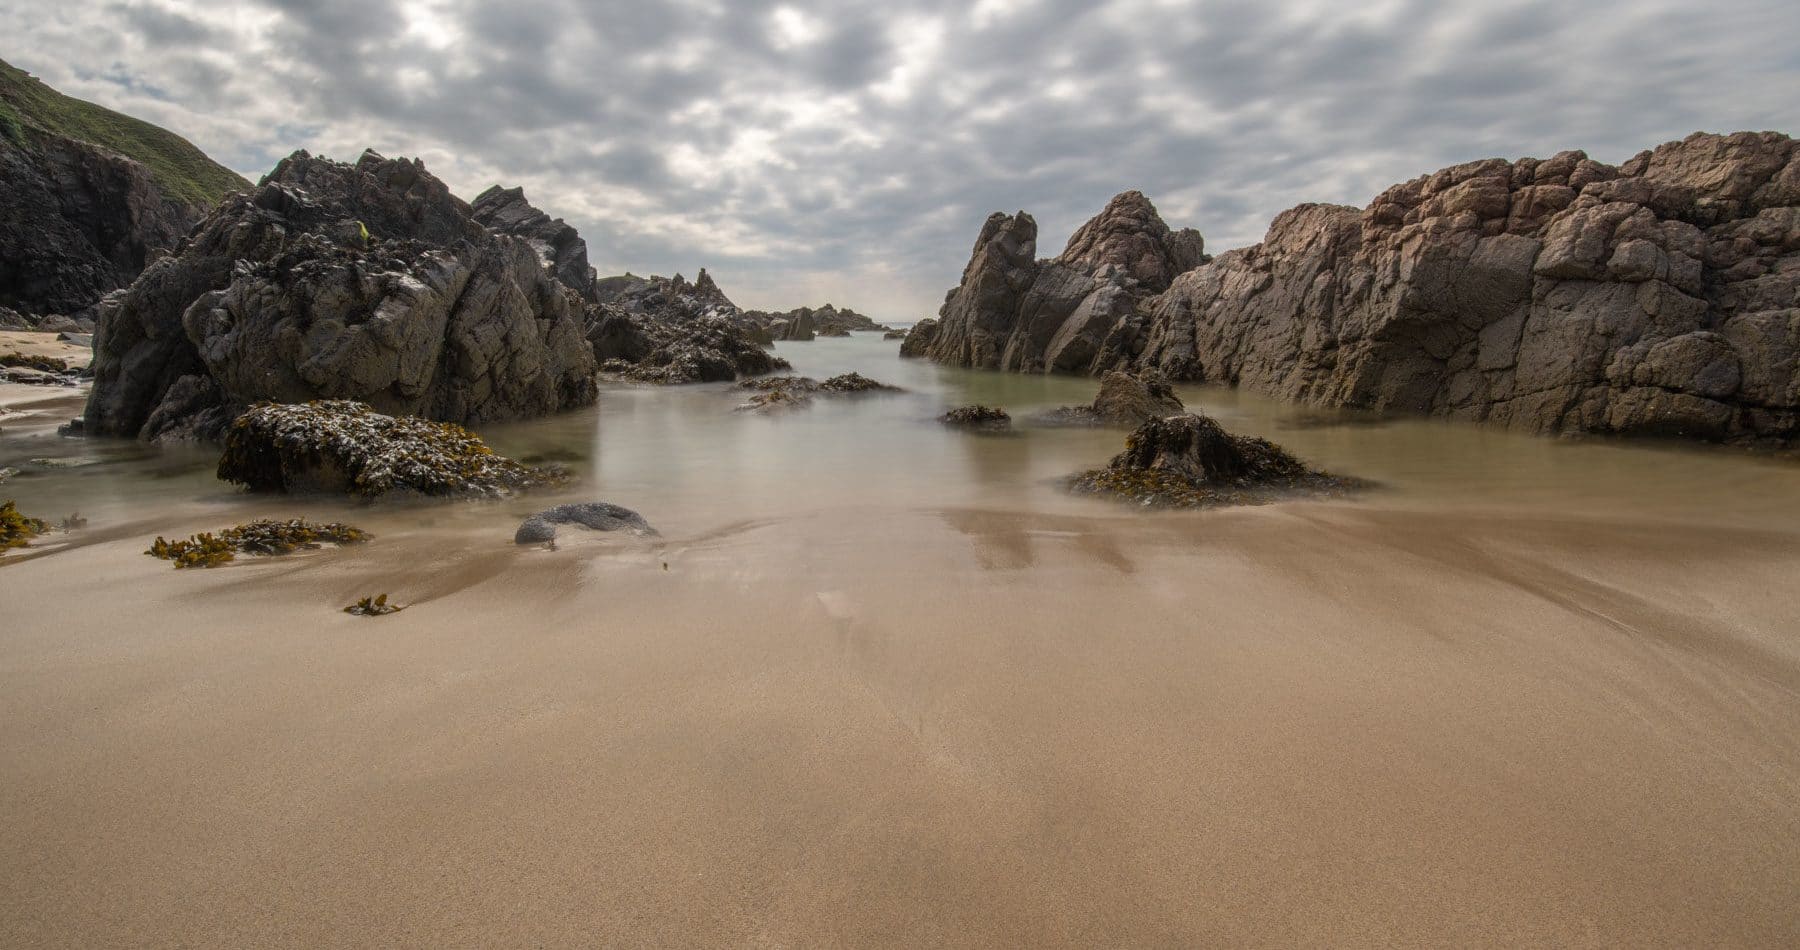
<point x="344" y="446"/>
<point x="979" y="418"/>
<point x="1190" y="461"/>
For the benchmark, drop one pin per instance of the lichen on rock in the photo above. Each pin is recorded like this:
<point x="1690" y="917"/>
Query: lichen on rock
<point x="344" y="446"/>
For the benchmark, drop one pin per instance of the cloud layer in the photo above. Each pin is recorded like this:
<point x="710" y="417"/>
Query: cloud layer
<point x="809" y="151"/>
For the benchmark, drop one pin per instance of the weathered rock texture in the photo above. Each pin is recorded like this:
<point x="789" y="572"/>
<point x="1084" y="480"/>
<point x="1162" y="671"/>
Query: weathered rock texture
<point x="666" y="330"/>
<point x="1123" y="400"/>
<point x="1015" y="312"/>
<point x="368" y="281"/>
<point x="88" y="197"/>
<point x="558" y="245"/>
<point x="1660" y="296"/>
<point x="341" y="446"/>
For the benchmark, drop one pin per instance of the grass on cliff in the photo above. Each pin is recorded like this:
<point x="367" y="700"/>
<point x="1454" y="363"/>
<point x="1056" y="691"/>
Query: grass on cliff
<point x="182" y="171"/>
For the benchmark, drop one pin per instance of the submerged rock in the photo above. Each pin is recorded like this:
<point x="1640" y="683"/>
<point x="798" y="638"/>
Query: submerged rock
<point x="1189" y="461"/>
<point x="368" y="281"/>
<point x="344" y="446"/>
<point x="1123" y="400"/>
<point x="776" y="393"/>
<point x="985" y="418"/>
<point x="596" y="516"/>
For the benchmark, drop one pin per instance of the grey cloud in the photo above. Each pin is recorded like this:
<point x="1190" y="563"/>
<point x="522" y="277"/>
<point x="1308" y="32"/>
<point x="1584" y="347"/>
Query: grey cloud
<point x="683" y="134"/>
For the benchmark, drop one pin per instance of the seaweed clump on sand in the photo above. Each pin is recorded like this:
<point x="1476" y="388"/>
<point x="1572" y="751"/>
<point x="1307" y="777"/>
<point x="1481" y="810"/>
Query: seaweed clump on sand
<point x="266" y="537"/>
<point x="338" y="445"/>
<point x="376" y="606"/>
<point x="1189" y="461"/>
<point x="17" y="529"/>
<point x="980" y="418"/>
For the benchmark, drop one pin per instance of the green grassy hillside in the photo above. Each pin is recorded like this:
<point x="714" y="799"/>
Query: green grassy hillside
<point x="181" y="170"/>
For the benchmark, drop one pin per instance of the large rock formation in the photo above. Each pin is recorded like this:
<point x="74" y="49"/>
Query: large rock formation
<point x="88" y="197"/>
<point x="666" y="330"/>
<point x="1660" y="296"/>
<point x="1014" y="312"/>
<point x="558" y="245"/>
<point x="368" y="282"/>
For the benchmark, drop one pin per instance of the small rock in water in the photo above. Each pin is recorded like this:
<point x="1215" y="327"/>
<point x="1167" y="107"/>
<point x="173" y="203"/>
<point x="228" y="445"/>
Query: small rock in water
<point x="984" y="418"/>
<point x="597" y="516"/>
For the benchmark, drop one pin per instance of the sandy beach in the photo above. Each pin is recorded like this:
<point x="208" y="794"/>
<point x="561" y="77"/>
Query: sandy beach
<point x="1315" y="724"/>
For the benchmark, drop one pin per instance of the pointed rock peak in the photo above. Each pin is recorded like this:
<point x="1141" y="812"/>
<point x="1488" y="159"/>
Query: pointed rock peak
<point x="496" y="194"/>
<point x="1129" y="239"/>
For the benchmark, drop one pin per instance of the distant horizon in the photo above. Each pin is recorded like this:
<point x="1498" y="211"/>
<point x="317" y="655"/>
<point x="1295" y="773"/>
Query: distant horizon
<point x="806" y="156"/>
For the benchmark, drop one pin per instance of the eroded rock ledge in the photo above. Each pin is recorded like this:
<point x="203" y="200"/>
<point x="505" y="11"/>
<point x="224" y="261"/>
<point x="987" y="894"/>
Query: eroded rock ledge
<point x="1564" y="295"/>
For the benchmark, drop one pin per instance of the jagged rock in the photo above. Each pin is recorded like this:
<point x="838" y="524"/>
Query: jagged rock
<point x="88" y="198"/>
<point x="558" y="245"/>
<point x="341" y="446"/>
<point x="644" y="348"/>
<point x="595" y="516"/>
<point x="1014" y="312"/>
<point x="918" y="340"/>
<point x="1124" y="400"/>
<point x="983" y="418"/>
<point x="1563" y="295"/>
<point x="805" y="323"/>
<point x="367" y="281"/>
<point x="1189" y="461"/>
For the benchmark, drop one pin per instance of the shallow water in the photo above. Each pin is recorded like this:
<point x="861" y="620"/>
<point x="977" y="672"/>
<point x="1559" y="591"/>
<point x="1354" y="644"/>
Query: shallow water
<point x="884" y="683"/>
<point x="684" y="458"/>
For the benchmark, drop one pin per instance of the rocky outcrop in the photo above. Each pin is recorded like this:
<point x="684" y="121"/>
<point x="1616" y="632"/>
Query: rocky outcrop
<point x="88" y="198"/>
<point x="781" y="393"/>
<point x="1564" y="295"/>
<point x="340" y="446"/>
<point x="558" y="245"/>
<point x="368" y="282"/>
<point x="1189" y="461"/>
<point x="1014" y="312"/>
<point x="666" y="330"/>
<point x="1124" y="400"/>
<point x="650" y="349"/>
<point x="805" y="323"/>
<point x="918" y="340"/>
<point x="594" y="516"/>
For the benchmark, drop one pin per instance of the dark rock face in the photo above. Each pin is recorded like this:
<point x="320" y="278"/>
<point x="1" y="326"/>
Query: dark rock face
<point x="1658" y="297"/>
<point x="1123" y="400"/>
<point x="647" y="349"/>
<point x="79" y="219"/>
<point x="558" y="245"/>
<point x="666" y="330"/>
<point x="341" y="446"/>
<point x="982" y="418"/>
<point x="368" y="281"/>
<point x="1014" y="312"/>
<point x="1189" y="461"/>
<point x="918" y="340"/>
<point x="595" y="516"/>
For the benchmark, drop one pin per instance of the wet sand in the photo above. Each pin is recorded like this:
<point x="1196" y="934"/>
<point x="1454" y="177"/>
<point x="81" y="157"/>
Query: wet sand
<point x="1382" y="723"/>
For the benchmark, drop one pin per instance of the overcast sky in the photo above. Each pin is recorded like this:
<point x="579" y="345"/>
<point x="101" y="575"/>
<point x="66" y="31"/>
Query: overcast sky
<point x="849" y="152"/>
